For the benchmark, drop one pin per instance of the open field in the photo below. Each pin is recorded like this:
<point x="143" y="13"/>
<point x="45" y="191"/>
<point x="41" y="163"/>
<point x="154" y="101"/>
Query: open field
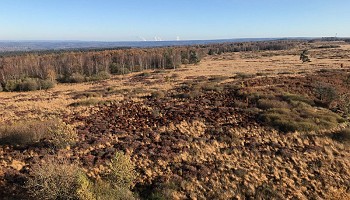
<point x="243" y="125"/>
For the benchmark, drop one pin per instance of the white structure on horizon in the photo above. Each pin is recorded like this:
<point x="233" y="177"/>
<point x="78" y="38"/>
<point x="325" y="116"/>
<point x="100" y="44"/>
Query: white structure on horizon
<point x="156" y="38"/>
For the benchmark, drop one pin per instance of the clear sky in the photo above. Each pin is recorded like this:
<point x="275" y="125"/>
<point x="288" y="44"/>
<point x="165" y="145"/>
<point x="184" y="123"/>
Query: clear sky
<point x="134" y="20"/>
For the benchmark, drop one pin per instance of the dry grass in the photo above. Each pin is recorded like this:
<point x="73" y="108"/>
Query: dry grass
<point x="55" y="180"/>
<point x="59" y="179"/>
<point x="43" y="104"/>
<point x="56" y="132"/>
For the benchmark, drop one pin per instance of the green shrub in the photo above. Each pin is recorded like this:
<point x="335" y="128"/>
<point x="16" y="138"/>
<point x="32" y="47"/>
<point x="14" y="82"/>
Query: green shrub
<point x="57" y="180"/>
<point x="297" y="98"/>
<point x="211" y="87"/>
<point x="105" y="191"/>
<point x="114" y="68"/>
<point x="76" y="78"/>
<point x="61" y="135"/>
<point x="1" y="89"/>
<point x="22" y="133"/>
<point x="46" y="84"/>
<point x="144" y="74"/>
<point x="301" y="117"/>
<point x="11" y="85"/>
<point x="217" y="78"/>
<point x="120" y="173"/>
<point x="28" y="84"/>
<point x="326" y="93"/>
<point x="88" y="94"/>
<point x="242" y="75"/>
<point x="304" y="56"/>
<point x="103" y="75"/>
<point x="29" y="132"/>
<point x="87" y="102"/>
<point x="194" y="58"/>
<point x="266" y="104"/>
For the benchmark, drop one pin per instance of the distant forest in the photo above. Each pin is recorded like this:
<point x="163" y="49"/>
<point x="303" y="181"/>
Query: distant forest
<point x="40" y="70"/>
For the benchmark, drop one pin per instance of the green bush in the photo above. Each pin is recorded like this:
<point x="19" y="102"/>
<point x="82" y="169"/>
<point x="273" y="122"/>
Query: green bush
<point x="80" y="95"/>
<point x="114" y="68"/>
<point x="47" y="84"/>
<point x="103" y="75"/>
<point x="59" y="179"/>
<point x="326" y="93"/>
<point x="120" y="173"/>
<point x="1" y="89"/>
<point x="28" y="84"/>
<point x="58" y="133"/>
<point x="242" y="75"/>
<point x="56" y="180"/>
<point x="87" y="102"/>
<point x="144" y="74"/>
<point x="266" y="104"/>
<point x="11" y="85"/>
<point x="297" y="98"/>
<point x="76" y="78"/>
<point x="301" y="117"/>
<point x="211" y="87"/>
<point x="105" y="191"/>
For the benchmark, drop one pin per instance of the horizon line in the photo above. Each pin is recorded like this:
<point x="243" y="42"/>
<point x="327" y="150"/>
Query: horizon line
<point x="184" y="40"/>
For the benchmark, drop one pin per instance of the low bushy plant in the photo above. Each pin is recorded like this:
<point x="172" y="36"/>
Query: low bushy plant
<point x="242" y="75"/>
<point x="120" y="172"/>
<point x="58" y="133"/>
<point x="87" y="102"/>
<point x="301" y="117"/>
<point x="11" y="85"/>
<point x="46" y="84"/>
<point x="326" y="94"/>
<point x="56" y="180"/>
<point x="266" y="104"/>
<point x="28" y="84"/>
<point x="76" y="78"/>
<point x="60" y="179"/>
<point x="292" y="98"/>
<point x="103" y="75"/>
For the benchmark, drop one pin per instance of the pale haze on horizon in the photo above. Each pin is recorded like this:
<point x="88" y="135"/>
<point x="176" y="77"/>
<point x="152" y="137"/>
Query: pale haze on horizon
<point x="141" y="20"/>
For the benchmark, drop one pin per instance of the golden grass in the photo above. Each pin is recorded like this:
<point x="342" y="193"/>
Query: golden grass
<point x="48" y="104"/>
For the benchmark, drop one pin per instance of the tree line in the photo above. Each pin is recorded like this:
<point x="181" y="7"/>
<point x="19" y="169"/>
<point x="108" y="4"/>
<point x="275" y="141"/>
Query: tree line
<point x="35" y="70"/>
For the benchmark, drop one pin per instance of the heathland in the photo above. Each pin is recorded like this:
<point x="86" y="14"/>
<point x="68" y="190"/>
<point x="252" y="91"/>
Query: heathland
<point x="250" y="120"/>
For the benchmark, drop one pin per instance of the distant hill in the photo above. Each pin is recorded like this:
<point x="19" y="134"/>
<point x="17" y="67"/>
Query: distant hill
<point x="7" y="46"/>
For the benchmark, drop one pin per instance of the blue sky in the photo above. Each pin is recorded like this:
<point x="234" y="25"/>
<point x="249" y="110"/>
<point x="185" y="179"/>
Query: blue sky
<point x="134" y="20"/>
